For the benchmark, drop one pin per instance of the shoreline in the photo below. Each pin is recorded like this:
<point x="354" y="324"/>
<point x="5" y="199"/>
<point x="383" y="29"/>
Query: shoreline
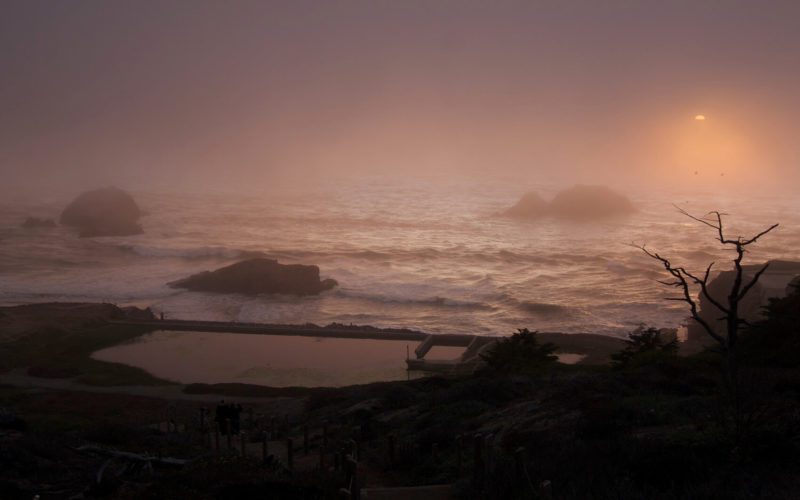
<point x="81" y="328"/>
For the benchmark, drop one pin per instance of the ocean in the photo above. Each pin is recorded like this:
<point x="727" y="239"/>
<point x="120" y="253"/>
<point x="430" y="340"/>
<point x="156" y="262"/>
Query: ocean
<point x="431" y="256"/>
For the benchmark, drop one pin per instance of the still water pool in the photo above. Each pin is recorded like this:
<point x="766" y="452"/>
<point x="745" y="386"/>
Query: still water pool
<point x="273" y="360"/>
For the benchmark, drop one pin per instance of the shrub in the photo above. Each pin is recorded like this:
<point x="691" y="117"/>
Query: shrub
<point x="645" y="347"/>
<point x="775" y="340"/>
<point x="520" y="353"/>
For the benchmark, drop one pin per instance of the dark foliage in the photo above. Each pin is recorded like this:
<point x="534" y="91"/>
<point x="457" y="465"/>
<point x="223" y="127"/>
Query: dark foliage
<point x="520" y="353"/>
<point x="646" y="347"/>
<point x="775" y="341"/>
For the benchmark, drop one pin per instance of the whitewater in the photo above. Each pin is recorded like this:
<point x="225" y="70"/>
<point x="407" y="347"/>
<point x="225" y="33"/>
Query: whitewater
<point x="431" y="256"/>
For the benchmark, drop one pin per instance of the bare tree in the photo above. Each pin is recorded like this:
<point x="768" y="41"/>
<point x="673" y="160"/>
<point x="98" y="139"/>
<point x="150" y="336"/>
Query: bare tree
<point x="744" y="403"/>
<point x="688" y="283"/>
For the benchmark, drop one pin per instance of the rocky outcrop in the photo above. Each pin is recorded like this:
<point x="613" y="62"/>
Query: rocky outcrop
<point x="134" y="313"/>
<point x="589" y="202"/>
<point x="257" y="276"/>
<point x="103" y="212"/>
<point x="530" y="205"/>
<point x="578" y="202"/>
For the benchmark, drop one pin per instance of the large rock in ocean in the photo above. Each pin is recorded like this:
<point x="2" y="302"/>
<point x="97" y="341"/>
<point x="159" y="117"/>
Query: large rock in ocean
<point x="530" y="205"/>
<point x="589" y="202"/>
<point x="578" y="202"/>
<point x="256" y="276"/>
<point x="103" y="212"/>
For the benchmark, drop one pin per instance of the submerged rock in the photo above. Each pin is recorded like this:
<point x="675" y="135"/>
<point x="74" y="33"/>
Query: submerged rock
<point x="256" y="276"/>
<point x="103" y="212"/>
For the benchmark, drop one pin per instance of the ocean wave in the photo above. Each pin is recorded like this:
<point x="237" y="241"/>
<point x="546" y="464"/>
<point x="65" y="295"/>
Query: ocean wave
<point x="191" y="252"/>
<point x="544" y="308"/>
<point x="375" y="256"/>
<point x="429" y="300"/>
<point x="510" y="257"/>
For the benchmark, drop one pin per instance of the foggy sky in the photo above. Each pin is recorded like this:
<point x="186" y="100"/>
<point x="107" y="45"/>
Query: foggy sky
<point x="191" y="93"/>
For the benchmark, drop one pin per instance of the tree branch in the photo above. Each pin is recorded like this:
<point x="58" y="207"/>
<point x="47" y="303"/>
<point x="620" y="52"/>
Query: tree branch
<point x="753" y="281"/>
<point x="680" y="276"/>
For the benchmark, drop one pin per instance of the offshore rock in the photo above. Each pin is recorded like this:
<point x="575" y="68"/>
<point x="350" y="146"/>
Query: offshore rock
<point x="580" y="202"/>
<point x="530" y="205"/>
<point x="589" y="202"/>
<point x="257" y="276"/>
<point x="103" y="212"/>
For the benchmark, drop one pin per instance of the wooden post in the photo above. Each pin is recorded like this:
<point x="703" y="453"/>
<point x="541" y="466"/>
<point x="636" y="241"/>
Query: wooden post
<point x="305" y="439"/>
<point x="272" y="427"/>
<point x="478" y="462"/>
<point x="547" y="489"/>
<point x="264" y="450"/>
<point x="228" y="432"/>
<point x="519" y="464"/>
<point x="355" y="491"/>
<point x="459" y="453"/>
<point x="290" y="454"/>
<point x="391" y="450"/>
<point x="488" y="461"/>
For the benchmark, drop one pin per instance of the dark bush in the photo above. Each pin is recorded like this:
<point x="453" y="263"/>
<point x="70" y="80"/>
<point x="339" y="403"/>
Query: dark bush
<point x="520" y="353"/>
<point x="646" y="347"/>
<point x="775" y="341"/>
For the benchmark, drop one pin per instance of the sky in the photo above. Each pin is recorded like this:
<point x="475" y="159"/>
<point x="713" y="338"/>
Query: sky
<point x="201" y="94"/>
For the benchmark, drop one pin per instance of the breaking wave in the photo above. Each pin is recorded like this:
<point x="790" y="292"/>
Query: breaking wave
<point x="191" y="252"/>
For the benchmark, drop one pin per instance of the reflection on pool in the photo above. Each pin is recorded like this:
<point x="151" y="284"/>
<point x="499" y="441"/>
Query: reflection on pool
<point x="273" y="360"/>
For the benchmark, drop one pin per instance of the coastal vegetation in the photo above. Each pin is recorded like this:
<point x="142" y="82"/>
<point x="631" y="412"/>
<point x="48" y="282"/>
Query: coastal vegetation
<point x="646" y="347"/>
<point x="521" y="352"/>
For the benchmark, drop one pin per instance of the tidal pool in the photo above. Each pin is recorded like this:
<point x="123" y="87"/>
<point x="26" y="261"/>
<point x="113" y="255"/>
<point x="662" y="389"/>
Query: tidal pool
<point x="272" y="360"/>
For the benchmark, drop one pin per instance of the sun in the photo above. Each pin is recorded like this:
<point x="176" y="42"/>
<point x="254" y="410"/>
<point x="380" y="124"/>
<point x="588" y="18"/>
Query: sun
<point x="700" y="118"/>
